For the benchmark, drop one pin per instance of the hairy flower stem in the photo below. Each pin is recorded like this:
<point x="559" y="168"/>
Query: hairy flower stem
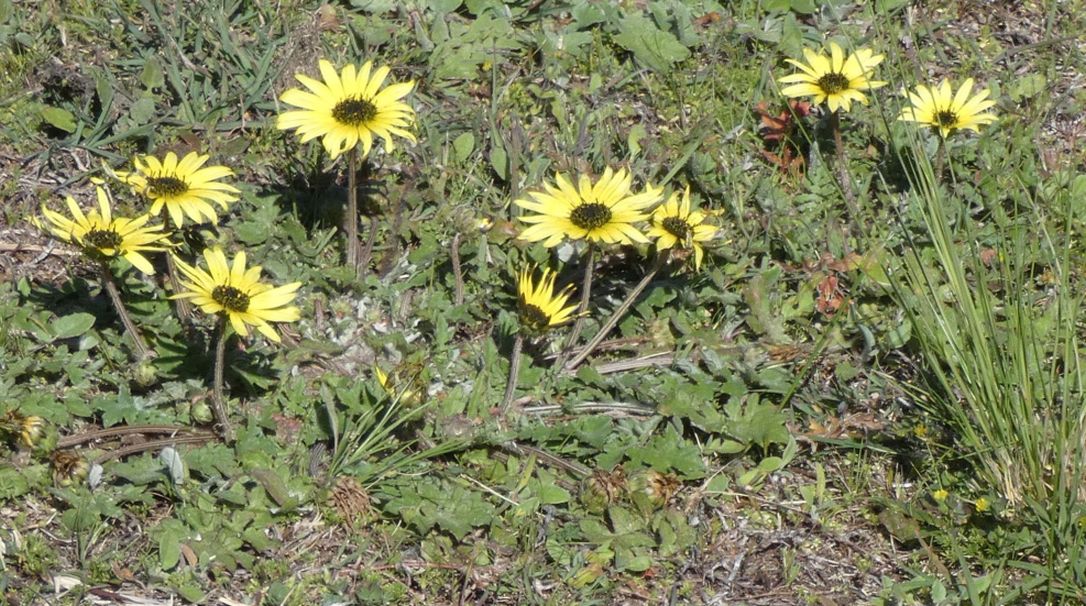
<point x="109" y="283"/>
<point x="843" y="176"/>
<point x="514" y="372"/>
<point x="181" y="306"/>
<point x="940" y="160"/>
<point x="620" y="311"/>
<point x="350" y="218"/>
<point x="586" y="291"/>
<point x="218" y="401"/>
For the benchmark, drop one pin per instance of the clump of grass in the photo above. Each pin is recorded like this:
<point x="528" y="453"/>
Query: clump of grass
<point x="1004" y="359"/>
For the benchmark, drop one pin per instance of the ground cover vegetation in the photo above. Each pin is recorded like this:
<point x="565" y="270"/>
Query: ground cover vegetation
<point x="464" y="301"/>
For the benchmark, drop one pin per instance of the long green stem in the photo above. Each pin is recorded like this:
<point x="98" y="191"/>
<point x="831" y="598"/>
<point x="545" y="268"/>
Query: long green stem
<point x="843" y="176"/>
<point x="109" y="283"/>
<point x="940" y="160"/>
<point x="350" y="218"/>
<point x="218" y="400"/>
<point x="514" y="373"/>
<point x="620" y="311"/>
<point x="586" y="291"/>
<point x="184" y="310"/>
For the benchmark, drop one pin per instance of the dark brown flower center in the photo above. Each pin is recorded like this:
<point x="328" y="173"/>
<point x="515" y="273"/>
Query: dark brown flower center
<point x="677" y="227"/>
<point x="103" y="238"/>
<point x="946" y="118"/>
<point x="533" y="318"/>
<point x="230" y="298"/>
<point x="166" y="186"/>
<point x="592" y="215"/>
<point x="354" y="112"/>
<point x="833" y="83"/>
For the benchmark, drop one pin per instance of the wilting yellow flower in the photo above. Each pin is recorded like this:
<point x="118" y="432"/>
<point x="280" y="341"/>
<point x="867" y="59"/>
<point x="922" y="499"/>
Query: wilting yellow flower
<point x="673" y="224"/>
<point x="540" y="307"/>
<point x="946" y="111"/>
<point x="27" y="429"/>
<point x="185" y="187"/>
<point x="68" y="468"/>
<point x="30" y="430"/>
<point x="238" y="293"/>
<point x="837" y="80"/>
<point x="348" y="108"/>
<point x="103" y="236"/>
<point x="604" y="211"/>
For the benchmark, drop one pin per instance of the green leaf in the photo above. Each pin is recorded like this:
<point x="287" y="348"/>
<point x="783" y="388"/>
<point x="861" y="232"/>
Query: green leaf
<point x="463" y="145"/>
<point x="152" y="76"/>
<point x="499" y="160"/>
<point x="803" y="7"/>
<point x="73" y="325"/>
<point x="59" y="118"/>
<point x="142" y="110"/>
<point x="656" y="49"/>
<point x="169" y="547"/>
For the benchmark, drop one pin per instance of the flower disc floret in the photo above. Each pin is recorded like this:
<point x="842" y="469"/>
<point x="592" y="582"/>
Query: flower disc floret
<point x="601" y="211"/>
<point x="836" y="80"/>
<point x="946" y="111"/>
<point x="236" y="292"/>
<point x="102" y="236"/>
<point x="348" y="108"/>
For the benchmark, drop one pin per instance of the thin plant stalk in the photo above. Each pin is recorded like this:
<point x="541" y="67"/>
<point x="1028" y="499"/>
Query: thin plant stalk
<point x="940" y="159"/>
<point x="184" y="310"/>
<point x="514" y="373"/>
<point x="843" y="177"/>
<point x="620" y="311"/>
<point x="350" y="218"/>
<point x="218" y="400"/>
<point x="586" y="291"/>
<point x="109" y="284"/>
<point x="842" y="160"/>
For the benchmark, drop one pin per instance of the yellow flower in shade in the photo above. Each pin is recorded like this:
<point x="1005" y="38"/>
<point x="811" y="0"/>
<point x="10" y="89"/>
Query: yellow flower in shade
<point x="540" y="307"/>
<point x="672" y="224"/>
<point x="837" y="80"/>
<point x="982" y="504"/>
<point x="103" y="236"/>
<point x="408" y="396"/>
<point x="348" y="108"/>
<point x="604" y="211"/>
<point x="185" y="187"/>
<point x="238" y="293"/>
<point x="946" y="111"/>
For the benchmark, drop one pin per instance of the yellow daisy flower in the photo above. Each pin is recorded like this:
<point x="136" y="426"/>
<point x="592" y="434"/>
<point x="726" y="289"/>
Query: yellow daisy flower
<point x="103" y="236"/>
<point x="238" y="293"/>
<point x="540" y="307"/>
<point x="348" y="108"/>
<point x="945" y="111"/>
<point x="982" y="504"/>
<point x="837" y="80"/>
<point x="604" y="211"/>
<point x="672" y="224"/>
<point x="184" y="187"/>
